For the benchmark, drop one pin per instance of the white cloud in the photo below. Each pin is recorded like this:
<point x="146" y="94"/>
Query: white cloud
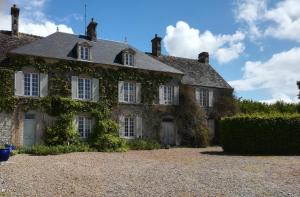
<point x="185" y="41"/>
<point x="32" y="18"/>
<point x="281" y="21"/>
<point x="277" y="76"/>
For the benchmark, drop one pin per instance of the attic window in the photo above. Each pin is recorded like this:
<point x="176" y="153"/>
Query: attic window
<point x="128" y="57"/>
<point x="84" y="52"/>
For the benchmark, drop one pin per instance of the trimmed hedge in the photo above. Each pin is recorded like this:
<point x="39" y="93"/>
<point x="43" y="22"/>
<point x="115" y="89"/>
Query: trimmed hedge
<point x="261" y="134"/>
<point x="140" y="144"/>
<point x="41" y="149"/>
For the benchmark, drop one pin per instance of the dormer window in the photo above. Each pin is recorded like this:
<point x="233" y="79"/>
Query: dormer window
<point x="84" y="53"/>
<point x="128" y="57"/>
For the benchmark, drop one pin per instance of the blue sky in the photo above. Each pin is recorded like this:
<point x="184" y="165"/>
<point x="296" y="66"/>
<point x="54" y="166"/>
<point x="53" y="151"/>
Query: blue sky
<point x="253" y="44"/>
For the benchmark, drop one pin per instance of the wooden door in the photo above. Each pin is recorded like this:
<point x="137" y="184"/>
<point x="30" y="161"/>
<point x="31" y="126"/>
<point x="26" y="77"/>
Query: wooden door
<point x="168" y="133"/>
<point x="29" y="130"/>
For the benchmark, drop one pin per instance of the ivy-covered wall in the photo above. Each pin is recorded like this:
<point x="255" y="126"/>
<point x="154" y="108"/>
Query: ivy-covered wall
<point x="59" y="104"/>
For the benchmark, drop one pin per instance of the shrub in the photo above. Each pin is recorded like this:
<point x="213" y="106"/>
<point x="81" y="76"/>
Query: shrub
<point x="140" y="144"/>
<point x="249" y="107"/>
<point x="63" y="132"/>
<point x="41" y="149"/>
<point x="261" y="134"/>
<point x="109" y="143"/>
<point x="192" y="123"/>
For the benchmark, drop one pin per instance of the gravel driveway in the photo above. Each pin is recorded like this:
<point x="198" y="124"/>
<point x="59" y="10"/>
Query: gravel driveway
<point x="173" y="172"/>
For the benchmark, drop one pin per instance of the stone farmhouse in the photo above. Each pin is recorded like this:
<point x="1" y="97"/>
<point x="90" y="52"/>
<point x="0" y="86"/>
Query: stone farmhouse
<point x="143" y="90"/>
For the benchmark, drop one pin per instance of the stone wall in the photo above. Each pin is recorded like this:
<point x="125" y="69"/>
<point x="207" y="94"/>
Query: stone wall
<point x="6" y="127"/>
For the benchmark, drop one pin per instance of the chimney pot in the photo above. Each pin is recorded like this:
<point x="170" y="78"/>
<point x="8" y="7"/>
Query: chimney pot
<point x="203" y="57"/>
<point x="156" y="46"/>
<point x="14" y="12"/>
<point x="91" y="30"/>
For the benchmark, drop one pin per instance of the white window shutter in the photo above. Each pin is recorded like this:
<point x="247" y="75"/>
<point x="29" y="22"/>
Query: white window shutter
<point x="211" y="98"/>
<point x="176" y="95"/>
<point x="74" y="87"/>
<point x="43" y="85"/>
<point x="121" y="125"/>
<point x="75" y="123"/>
<point x="161" y="94"/>
<point x="138" y="92"/>
<point x="121" y="91"/>
<point x="95" y="89"/>
<point x="197" y="95"/>
<point x="139" y="127"/>
<point x="19" y="83"/>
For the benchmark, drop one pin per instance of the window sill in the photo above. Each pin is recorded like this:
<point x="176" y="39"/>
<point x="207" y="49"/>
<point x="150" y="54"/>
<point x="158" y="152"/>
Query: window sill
<point x="25" y="96"/>
<point x="128" y="103"/>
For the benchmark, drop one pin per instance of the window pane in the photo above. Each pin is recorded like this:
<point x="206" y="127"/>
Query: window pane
<point x="35" y="85"/>
<point x="81" y="126"/>
<point x="81" y="53"/>
<point x="27" y="84"/>
<point x="80" y="88"/>
<point x="86" y="54"/>
<point x="126" y="59"/>
<point x="126" y="92"/>
<point x="126" y="127"/>
<point x="131" y="129"/>
<point x="131" y="60"/>
<point x="87" y="89"/>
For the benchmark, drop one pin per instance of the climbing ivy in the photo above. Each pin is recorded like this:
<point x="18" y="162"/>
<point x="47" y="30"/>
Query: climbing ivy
<point x="58" y="102"/>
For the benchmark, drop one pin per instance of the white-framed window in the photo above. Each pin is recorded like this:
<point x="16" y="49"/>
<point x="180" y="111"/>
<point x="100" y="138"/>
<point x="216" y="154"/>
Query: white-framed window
<point x="204" y="97"/>
<point x="84" y="88"/>
<point x="84" y="53"/>
<point x="31" y="84"/>
<point x="129" y="92"/>
<point x="129" y="128"/>
<point x="84" y="126"/>
<point x="168" y="95"/>
<point x="128" y="59"/>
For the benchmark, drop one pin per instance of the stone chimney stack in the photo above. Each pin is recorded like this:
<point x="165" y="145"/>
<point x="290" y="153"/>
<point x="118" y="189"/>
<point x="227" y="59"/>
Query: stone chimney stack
<point x="203" y="57"/>
<point x="91" y="30"/>
<point x="14" y="11"/>
<point x="156" y="46"/>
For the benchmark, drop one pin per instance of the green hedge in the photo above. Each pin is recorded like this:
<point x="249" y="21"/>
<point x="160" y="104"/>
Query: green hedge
<point x="261" y="134"/>
<point x="140" y="144"/>
<point x="41" y="149"/>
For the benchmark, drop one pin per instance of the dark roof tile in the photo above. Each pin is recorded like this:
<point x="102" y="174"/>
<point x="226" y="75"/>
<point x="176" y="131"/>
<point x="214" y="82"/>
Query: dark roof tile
<point x="195" y="73"/>
<point x="60" y="45"/>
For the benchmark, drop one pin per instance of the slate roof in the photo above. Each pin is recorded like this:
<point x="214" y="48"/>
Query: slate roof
<point x="62" y="45"/>
<point x="8" y="42"/>
<point x="195" y="73"/>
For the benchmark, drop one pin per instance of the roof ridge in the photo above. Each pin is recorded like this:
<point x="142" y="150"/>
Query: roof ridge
<point x="100" y="39"/>
<point x="21" y="33"/>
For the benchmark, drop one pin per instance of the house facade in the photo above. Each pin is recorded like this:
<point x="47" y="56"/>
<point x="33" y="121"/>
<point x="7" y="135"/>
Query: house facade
<point x="43" y="79"/>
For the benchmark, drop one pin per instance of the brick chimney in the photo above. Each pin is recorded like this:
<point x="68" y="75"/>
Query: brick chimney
<point x="14" y="11"/>
<point x="156" y="46"/>
<point x="91" y="30"/>
<point x="203" y="57"/>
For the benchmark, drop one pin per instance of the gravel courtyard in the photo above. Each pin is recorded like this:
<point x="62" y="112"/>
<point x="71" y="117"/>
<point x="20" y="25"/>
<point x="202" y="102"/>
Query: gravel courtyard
<point x="173" y="172"/>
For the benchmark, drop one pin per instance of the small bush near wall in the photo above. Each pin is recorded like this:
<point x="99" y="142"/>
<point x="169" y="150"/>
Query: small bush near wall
<point x="140" y="144"/>
<point x="261" y="134"/>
